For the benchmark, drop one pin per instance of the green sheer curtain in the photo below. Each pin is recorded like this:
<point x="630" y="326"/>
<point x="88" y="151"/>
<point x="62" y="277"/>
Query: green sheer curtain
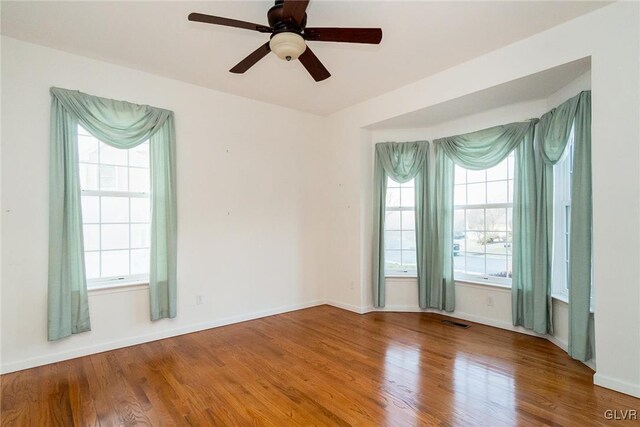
<point x="477" y="150"/>
<point x="553" y="136"/>
<point x="400" y="162"/>
<point x="121" y="125"/>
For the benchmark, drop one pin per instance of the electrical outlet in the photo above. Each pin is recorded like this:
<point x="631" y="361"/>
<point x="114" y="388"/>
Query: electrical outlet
<point x="198" y="299"/>
<point x="351" y="286"/>
<point x="490" y="301"/>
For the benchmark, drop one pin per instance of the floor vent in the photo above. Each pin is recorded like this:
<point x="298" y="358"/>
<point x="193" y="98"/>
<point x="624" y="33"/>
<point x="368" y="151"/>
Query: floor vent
<point x="457" y="324"/>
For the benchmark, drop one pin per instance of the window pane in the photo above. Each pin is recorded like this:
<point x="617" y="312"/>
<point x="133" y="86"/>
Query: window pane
<point x="392" y="184"/>
<point x="474" y="241"/>
<point x="510" y="191"/>
<point x="87" y="149"/>
<point x="140" y="209"/>
<point x="497" y="192"/>
<point x="392" y="260"/>
<point x="475" y="219"/>
<point x="140" y="261"/>
<point x="496" y="242"/>
<point x="458" y="262"/>
<point x="460" y="175"/>
<point x="115" y="209"/>
<point x="497" y="265"/>
<point x="460" y="195"/>
<point x="90" y="209"/>
<point x="139" y="180"/>
<point x="393" y="197"/>
<point x="112" y="156"/>
<point x="458" y="224"/>
<point x="407" y="197"/>
<point x="92" y="264"/>
<point x="392" y="220"/>
<point x="408" y="220"/>
<point x="88" y="177"/>
<point x="476" y="176"/>
<point x="115" y="236"/>
<point x="498" y="172"/>
<point x="115" y="263"/>
<point x="409" y="260"/>
<point x="91" y="237"/>
<point x="476" y="194"/>
<point x="475" y="263"/>
<point x="509" y="219"/>
<point x="408" y="239"/>
<point x="392" y="240"/>
<point x="496" y="219"/>
<point x="140" y="236"/>
<point x="139" y="156"/>
<point x="114" y="178"/>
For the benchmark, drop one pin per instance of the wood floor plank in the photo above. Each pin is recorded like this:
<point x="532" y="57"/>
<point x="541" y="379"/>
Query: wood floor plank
<point x="319" y="366"/>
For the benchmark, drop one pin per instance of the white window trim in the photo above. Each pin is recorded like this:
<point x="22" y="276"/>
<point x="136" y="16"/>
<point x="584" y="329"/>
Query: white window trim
<point x="113" y="282"/>
<point x="408" y="272"/>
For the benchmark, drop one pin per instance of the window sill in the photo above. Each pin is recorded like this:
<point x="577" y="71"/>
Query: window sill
<point x="113" y="287"/>
<point x="483" y="283"/>
<point x="401" y="276"/>
<point x="560" y="297"/>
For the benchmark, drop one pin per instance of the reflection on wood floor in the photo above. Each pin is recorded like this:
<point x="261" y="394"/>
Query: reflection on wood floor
<point x="319" y="366"/>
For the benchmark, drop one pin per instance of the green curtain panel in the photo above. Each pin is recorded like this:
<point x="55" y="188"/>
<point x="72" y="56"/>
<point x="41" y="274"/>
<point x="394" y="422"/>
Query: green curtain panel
<point x="67" y="297"/>
<point x="554" y="131"/>
<point x="477" y="150"/>
<point x="122" y="125"/>
<point x="400" y="162"/>
<point x="531" y="302"/>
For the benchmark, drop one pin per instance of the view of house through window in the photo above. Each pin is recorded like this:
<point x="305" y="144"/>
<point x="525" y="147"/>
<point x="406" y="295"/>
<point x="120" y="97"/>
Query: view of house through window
<point x="482" y="225"/>
<point x="399" y="226"/>
<point x="115" y="210"/>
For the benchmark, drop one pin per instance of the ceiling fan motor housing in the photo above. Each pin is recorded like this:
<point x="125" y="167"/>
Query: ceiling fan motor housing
<point x="274" y="16"/>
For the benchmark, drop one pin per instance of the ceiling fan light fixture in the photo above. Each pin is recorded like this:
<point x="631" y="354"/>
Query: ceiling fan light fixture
<point x="287" y="45"/>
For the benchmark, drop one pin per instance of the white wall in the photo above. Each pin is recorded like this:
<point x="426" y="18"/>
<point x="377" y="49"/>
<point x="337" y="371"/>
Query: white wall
<point x="249" y="238"/>
<point x="610" y="36"/>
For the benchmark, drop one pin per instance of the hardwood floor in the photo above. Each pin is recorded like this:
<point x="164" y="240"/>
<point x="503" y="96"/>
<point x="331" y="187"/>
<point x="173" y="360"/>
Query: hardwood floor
<point x="319" y="366"/>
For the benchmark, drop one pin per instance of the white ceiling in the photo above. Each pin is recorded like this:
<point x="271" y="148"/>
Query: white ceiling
<point x="532" y="87"/>
<point x="420" y="39"/>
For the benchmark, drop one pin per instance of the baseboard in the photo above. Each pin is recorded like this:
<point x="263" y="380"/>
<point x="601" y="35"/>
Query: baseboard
<point x="344" y="306"/>
<point x="113" y="345"/>
<point x="617" y="385"/>
<point x="558" y="343"/>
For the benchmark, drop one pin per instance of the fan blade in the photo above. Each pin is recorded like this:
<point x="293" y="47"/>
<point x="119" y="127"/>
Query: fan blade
<point x="217" y="20"/>
<point x="313" y="65"/>
<point x="294" y="9"/>
<point x="251" y="60"/>
<point x="344" y="35"/>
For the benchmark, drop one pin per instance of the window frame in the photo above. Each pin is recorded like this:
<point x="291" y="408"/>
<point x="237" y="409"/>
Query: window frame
<point x="487" y="279"/>
<point x="406" y="272"/>
<point x="116" y="280"/>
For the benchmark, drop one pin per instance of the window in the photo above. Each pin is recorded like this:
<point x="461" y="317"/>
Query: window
<point x="562" y="173"/>
<point x="399" y="229"/>
<point x="482" y="223"/>
<point x="115" y="211"/>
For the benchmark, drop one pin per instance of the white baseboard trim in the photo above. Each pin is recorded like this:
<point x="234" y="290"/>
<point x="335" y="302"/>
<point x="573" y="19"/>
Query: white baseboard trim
<point x="617" y="385"/>
<point x="113" y="345"/>
<point x="563" y="345"/>
<point x="344" y="306"/>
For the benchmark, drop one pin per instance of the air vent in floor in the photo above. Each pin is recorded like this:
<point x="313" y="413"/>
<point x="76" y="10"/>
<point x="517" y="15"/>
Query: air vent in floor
<point x="456" y="324"/>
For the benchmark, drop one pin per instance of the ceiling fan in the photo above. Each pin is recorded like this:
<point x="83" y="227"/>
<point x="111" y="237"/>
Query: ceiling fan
<point x="288" y="27"/>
